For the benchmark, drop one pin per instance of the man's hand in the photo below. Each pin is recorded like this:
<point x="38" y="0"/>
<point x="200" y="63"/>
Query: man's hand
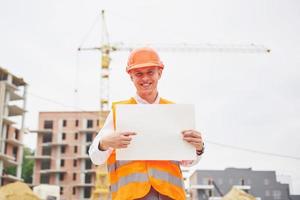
<point x="194" y="138"/>
<point x="116" y="140"/>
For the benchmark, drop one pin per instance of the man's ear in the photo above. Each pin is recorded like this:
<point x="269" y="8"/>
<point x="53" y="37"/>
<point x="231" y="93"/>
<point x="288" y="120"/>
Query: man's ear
<point x="130" y="76"/>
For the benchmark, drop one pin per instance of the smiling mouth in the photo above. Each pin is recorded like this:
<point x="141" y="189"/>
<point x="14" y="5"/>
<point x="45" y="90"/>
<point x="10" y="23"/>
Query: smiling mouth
<point x="146" y="85"/>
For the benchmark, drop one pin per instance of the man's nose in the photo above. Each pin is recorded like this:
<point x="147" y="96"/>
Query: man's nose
<point x="145" y="78"/>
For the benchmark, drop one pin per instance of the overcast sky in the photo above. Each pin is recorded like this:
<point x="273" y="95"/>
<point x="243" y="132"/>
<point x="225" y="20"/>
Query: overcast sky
<point x="244" y="100"/>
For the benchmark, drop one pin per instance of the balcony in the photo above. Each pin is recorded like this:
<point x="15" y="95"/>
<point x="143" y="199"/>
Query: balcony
<point x="242" y="187"/>
<point x="202" y="187"/>
<point x="15" y="97"/>
<point x="10" y="87"/>
<point x="89" y="131"/>
<point x="84" y="185"/>
<point x="14" y="142"/>
<point x="11" y="178"/>
<point x="52" y="171"/>
<point x="7" y="121"/>
<point x="84" y="156"/>
<point x="87" y="171"/>
<point x="6" y="157"/>
<point x="8" y="160"/>
<point x="41" y="131"/>
<point x="54" y="144"/>
<point x="40" y="157"/>
<point x="14" y="110"/>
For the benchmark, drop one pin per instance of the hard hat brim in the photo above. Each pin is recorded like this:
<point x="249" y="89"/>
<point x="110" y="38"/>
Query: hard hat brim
<point x="128" y="68"/>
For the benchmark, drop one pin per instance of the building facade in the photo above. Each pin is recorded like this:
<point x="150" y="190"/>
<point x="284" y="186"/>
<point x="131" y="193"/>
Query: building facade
<point x="213" y="184"/>
<point x="61" y="157"/>
<point x="12" y="116"/>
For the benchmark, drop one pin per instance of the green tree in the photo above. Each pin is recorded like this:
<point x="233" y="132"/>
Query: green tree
<point x="27" y="166"/>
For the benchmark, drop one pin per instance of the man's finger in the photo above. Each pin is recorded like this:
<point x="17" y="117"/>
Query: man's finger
<point x="191" y="133"/>
<point x="197" y="145"/>
<point x="125" y="142"/>
<point x="128" y="133"/>
<point x="126" y="138"/>
<point x="123" y="146"/>
<point x="192" y="136"/>
<point x="189" y="130"/>
<point x="191" y="139"/>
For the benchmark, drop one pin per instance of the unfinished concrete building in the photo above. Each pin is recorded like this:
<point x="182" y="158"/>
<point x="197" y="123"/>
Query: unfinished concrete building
<point x="61" y="157"/>
<point x="12" y="115"/>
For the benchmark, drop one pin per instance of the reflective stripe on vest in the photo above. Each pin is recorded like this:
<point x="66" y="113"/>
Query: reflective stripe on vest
<point x="143" y="177"/>
<point x="165" y="177"/>
<point x="133" y="179"/>
<point x="119" y="163"/>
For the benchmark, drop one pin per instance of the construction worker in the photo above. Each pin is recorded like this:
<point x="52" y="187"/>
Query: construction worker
<point x="155" y="180"/>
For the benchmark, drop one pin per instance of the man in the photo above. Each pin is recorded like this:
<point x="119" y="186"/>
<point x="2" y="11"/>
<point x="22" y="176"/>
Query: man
<point x="152" y="180"/>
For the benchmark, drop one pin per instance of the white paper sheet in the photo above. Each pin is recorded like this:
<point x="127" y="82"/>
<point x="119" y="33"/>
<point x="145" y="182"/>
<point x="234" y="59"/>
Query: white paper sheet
<point x="158" y="129"/>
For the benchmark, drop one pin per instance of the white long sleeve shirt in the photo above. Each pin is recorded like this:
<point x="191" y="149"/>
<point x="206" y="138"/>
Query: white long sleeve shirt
<point x="99" y="157"/>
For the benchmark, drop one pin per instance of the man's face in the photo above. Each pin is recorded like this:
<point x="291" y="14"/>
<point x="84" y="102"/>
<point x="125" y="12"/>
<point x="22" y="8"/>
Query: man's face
<point x="145" y="79"/>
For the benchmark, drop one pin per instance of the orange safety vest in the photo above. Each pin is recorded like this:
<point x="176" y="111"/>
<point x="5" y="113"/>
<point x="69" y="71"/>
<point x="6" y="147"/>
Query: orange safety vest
<point x="133" y="179"/>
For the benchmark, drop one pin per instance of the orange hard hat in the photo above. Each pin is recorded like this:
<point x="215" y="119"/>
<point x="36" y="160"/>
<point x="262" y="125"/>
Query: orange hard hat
<point x="143" y="57"/>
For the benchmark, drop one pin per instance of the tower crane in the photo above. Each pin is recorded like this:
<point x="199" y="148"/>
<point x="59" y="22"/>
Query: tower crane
<point x="101" y="190"/>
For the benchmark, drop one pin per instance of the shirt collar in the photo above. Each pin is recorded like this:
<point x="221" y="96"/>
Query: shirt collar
<point x="140" y="100"/>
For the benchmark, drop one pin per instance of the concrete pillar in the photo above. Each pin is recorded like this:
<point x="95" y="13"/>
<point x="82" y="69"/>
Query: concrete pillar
<point x="22" y="132"/>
